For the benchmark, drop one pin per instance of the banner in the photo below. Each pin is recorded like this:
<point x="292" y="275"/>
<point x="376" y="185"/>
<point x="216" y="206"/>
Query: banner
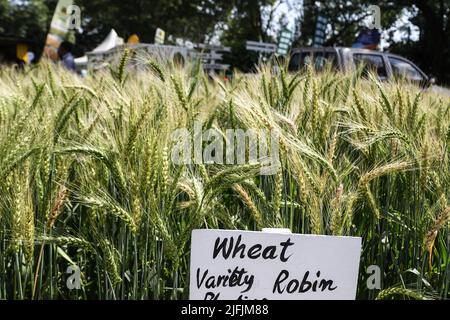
<point x="319" y="35"/>
<point x="284" y="42"/>
<point x="58" y="28"/>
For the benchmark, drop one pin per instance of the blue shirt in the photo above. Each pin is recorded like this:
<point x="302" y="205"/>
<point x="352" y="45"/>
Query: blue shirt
<point x="68" y="61"/>
<point x="366" y="37"/>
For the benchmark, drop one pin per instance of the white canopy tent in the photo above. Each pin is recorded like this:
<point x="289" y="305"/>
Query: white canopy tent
<point x="112" y="40"/>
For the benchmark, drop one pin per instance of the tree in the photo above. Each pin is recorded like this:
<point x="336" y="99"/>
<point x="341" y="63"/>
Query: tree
<point x="431" y="51"/>
<point x="192" y="19"/>
<point x="24" y="19"/>
<point x="345" y="19"/>
<point x="245" y="22"/>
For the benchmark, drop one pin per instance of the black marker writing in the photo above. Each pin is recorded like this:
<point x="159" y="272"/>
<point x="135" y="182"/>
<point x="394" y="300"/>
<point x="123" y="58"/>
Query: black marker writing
<point x="234" y="278"/>
<point x="284" y="284"/>
<point x="231" y="248"/>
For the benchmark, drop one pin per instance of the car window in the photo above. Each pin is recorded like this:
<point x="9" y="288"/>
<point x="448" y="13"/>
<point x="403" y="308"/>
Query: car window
<point x="372" y="63"/>
<point x="318" y="59"/>
<point x="403" y="69"/>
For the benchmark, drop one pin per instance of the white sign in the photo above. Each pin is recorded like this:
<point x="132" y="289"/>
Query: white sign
<point x="260" y="46"/>
<point x="159" y="36"/>
<point x="246" y="265"/>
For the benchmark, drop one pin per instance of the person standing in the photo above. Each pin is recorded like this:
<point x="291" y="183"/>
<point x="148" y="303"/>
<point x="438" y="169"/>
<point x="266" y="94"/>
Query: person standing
<point x="66" y="56"/>
<point x="367" y="39"/>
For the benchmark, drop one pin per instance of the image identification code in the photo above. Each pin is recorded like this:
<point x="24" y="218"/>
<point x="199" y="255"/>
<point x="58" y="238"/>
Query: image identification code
<point x="231" y="310"/>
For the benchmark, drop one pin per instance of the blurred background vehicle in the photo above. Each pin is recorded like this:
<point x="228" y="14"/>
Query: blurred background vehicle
<point x="385" y="65"/>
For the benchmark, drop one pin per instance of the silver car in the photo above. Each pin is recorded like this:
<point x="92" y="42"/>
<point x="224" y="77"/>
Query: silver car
<point x="385" y="65"/>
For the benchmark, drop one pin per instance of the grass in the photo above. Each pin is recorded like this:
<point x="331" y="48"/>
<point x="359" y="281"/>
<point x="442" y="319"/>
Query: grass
<point x="86" y="177"/>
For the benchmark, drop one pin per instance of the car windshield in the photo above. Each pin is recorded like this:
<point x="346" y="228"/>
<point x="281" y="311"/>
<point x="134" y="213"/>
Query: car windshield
<point x="319" y="59"/>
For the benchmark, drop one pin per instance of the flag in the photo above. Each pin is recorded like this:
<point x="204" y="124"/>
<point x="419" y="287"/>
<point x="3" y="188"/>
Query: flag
<point x="58" y="29"/>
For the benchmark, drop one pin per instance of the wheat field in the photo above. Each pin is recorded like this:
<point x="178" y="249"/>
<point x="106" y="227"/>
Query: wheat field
<point x="86" y="177"/>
